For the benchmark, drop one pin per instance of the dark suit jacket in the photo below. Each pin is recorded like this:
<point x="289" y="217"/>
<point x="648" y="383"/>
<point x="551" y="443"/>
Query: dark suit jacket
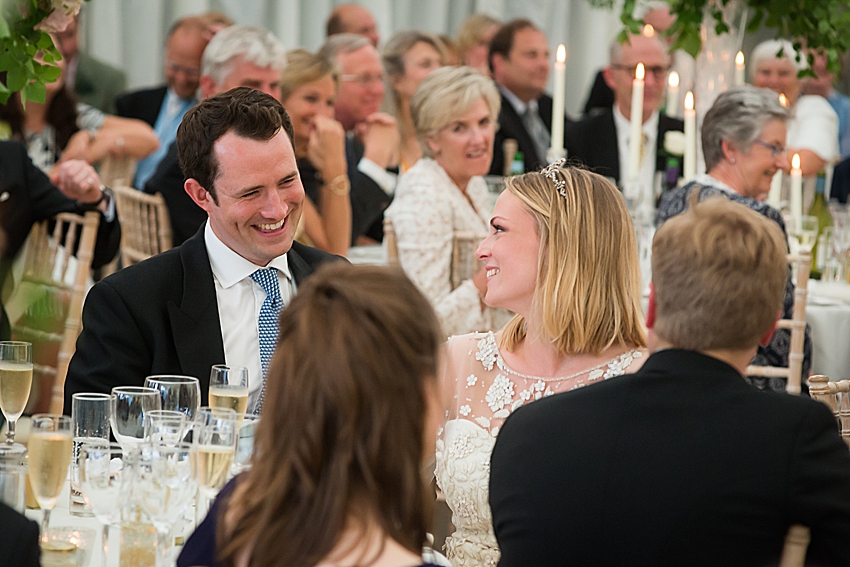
<point x="159" y="317"/>
<point x="142" y="105"/>
<point x="600" y="97"/>
<point x="511" y="127"/>
<point x="682" y="463"/>
<point x="368" y="200"/>
<point x="593" y="142"/>
<point x="19" y="544"/>
<point x="26" y="197"/>
<point x="841" y="182"/>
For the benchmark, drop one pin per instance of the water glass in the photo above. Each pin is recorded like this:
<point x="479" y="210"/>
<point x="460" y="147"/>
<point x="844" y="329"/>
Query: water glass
<point x="805" y="230"/>
<point x="127" y="414"/>
<point x="165" y="427"/>
<point x="244" y="443"/>
<point x="81" y="538"/>
<point x="90" y="414"/>
<point x="13" y="479"/>
<point x="15" y="382"/>
<point x="50" y="444"/>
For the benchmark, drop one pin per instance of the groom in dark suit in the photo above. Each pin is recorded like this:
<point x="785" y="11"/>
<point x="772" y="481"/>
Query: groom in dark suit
<point x="519" y="61"/>
<point x="199" y="304"/>
<point x="683" y="462"/>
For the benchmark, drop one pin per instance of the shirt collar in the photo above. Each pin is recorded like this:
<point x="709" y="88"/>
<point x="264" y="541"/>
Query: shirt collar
<point x="174" y="104"/>
<point x="229" y="268"/>
<point x="518" y="105"/>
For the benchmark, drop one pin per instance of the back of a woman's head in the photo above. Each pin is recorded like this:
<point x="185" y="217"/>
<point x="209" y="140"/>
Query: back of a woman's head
<point x="341" y="436"/>
<point x="587" y="296"/>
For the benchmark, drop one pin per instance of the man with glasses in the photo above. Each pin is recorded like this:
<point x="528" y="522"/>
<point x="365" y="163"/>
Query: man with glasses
<point x="163" y="107"/>
<point x="602" y="141"/>
<point x="373" y="141"/>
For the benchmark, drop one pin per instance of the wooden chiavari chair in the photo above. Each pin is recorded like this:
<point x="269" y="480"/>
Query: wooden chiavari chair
<point x="836" y="395"/>
<point x="145" y="224"/>
<point x="390" y="243"/>
<point x="116" y="171"/>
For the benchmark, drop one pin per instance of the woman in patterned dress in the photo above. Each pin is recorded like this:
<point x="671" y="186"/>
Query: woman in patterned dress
<point x="562" y="255"/>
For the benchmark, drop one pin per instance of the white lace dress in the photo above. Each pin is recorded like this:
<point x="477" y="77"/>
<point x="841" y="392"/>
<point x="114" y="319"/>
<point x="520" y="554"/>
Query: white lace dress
<point x="486" y="391"/>
<point x="427" y="209"/>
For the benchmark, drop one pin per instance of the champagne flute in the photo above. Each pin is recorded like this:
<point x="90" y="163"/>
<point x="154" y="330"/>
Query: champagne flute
<point x="215" y="443"/>
<point x="50" y="441"/>
<point x="129" y="405"/>
<point x="229" y="387"/>
<point x="15" y="382"/>
<point x="103" y="466"/>
<point x="164" y="487"/>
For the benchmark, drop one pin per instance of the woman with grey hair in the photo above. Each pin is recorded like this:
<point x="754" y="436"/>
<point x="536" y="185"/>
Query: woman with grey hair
<point x="408" y="57"/>
<point x="813" y="127"/>
<point x="454" y="112"/>
<point x="743" y="142"/>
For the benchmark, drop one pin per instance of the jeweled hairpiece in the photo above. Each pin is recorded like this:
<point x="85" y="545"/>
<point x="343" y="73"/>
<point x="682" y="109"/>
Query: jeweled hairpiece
<point x="550" y="172"/>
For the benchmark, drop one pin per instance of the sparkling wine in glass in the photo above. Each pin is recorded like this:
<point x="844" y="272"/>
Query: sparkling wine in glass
<point x="229" y="387"/>
<point x="216" y="430"/>
<point x="127" y="416"/>
<point x="50" y="442"/>
<point x="15" y="382"/>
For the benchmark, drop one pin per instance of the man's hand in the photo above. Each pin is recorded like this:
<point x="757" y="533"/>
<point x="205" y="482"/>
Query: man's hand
<point x="77" y="180"/>
<point x="326" y="147"/>
<point x="381" y="140"/>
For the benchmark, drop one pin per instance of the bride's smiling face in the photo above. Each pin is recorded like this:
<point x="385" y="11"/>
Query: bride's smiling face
<point x="510" y="255"/>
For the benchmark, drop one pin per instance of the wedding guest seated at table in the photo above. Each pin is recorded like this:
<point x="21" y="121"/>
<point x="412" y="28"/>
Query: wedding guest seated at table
<point x="602" y="141"/>
<point x="61" y="129"/>
<point x="823" y="84"/>
<point x="813" y="125"/>
<point x="841" y="182"/>
<point x="743" y="142"/>
<point x="19" y="545"/>
<point x="408" y="57"/>
<point x="309" y="86"/>
<point x="454" y="112"/>
<point x="681" y="463"/>
<point x="562" y="254"/>
<point x="473" y="41"/>
<point x="215" y="298"/>
<point x="355" y="19"/>
<point x="336" y="475"/>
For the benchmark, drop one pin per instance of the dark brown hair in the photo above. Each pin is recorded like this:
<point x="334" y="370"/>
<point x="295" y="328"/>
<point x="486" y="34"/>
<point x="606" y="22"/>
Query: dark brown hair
<point x="503" y="41"/>
<point x="247" y="112"/>
<point x="341" y="437"/>
<point x="61" y="114"/>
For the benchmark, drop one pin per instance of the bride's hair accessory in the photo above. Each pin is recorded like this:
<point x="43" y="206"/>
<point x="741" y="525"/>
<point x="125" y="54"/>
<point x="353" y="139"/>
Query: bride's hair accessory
<point x="551" y="170"/>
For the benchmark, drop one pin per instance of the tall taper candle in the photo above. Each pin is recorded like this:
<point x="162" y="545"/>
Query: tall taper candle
<point x="690" y="169"/>
<point x="796" y="187"/>
<point x="559" y="79"/>
<point x="774" y="197"/>
<point x="673" y="95"/>
<point x="739" y="69"/>
<point x="636" y="135"/>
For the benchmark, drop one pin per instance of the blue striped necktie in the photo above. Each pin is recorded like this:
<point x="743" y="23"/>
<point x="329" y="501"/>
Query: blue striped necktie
<point x="267" y="324"/>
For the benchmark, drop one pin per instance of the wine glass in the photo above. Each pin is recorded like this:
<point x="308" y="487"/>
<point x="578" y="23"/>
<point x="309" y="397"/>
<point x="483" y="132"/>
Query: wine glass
<point x="128" y="408"/>
<point x="103" y="466"/>
<point x="164" y="487"/>
<point x="805" y="230"/>
<point x="229" y="387"/>
<point x="15" y="382"/>
<point x="215" y="443"/>
<point x="179" y="393"/>
<point x="244" y="443"/>
<point x="50" y="441"/>
<point x="165" y="427"/>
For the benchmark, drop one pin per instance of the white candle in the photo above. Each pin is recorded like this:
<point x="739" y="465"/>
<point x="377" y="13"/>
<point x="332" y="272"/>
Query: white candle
<point x="690" y="169"/>
<point x="673" y="94"/>
<point x="796" y="187"/>
<point x="636" y="136"/>
<point x="557" y="136"/>
<point x="774" y="198"/>
<point x="739" y="69"/>
<point x="783" y="100"/>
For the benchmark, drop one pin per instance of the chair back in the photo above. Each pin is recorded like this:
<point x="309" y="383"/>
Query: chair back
<point x="116" y="171"/>
<point x="836" y="396"/>
<point x="390" y="243"/>
<point x="797" y="324"/>
<point x="57" y="266"/>
<point x="465" y="264"/>
<point x="796" y="545"/>
<point x="145" y="224"/>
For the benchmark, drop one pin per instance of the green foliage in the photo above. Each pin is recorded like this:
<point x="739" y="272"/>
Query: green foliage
<point x="19" y="43"/>
<point x="819" y="24"/>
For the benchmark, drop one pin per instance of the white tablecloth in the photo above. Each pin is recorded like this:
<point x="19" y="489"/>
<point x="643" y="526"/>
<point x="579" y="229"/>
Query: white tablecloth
<point x="828" y="313"/>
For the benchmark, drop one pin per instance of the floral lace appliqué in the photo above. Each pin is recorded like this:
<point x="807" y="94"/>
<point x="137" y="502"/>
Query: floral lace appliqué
<point x="501" y="393"/>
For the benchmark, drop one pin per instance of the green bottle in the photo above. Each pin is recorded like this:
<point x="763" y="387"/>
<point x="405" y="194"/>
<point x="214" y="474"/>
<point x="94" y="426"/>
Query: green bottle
<point x="518" y="165"/>
<point x="820" y="209"/>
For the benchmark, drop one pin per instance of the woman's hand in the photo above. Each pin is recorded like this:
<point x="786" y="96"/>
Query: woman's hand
<point x="326" y="147"/>
<point x="77" y="146"/>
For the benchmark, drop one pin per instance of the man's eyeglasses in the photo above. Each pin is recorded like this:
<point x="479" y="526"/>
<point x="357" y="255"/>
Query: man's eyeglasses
<point x="364" y="80"/>
<point x="657" y="71"/>
<point x="191" y="72"/>
<point x="775" y="151"/>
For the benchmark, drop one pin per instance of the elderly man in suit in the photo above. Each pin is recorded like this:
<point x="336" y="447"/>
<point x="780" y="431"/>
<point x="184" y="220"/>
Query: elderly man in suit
<point x="216" y="298"/>
<point x="519" y="61"/>
<point x="163" y="107"/>
<point x="353" y="18"/>
<point x="683" y="462"/>
<point x="602" y="141"/>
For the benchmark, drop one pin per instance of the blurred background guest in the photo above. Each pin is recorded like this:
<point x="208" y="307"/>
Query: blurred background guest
<point x="813" y="126"/>
<point x="743" y="142"/>
<point x="454" y="112"/>
<point x="348" y="422"/>
<point x="408" y="57"/>
<point x="823" y="84"/>
<point x="473" y="41"/>
<point x="450" y="47"/>
<point x="562" y="255"/>
<point x="353" y="18"/>
<point x="60" y="129"/>
<point x="309" y="86"/>
<point x="89" y="80"/>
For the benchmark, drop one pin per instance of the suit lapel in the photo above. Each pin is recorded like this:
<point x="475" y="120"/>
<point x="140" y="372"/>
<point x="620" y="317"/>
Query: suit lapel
<point x="195" y="323"/>
<point x="606" y="141"/>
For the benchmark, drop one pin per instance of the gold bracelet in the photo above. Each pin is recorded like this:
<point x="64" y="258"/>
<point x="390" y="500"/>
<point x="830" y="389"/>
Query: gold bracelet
<point x="339" y="185"/>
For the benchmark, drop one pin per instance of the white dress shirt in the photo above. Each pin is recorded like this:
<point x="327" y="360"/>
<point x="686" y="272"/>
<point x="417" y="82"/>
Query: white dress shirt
<point x="239" y="300"/>
<point x="646" y="175"/>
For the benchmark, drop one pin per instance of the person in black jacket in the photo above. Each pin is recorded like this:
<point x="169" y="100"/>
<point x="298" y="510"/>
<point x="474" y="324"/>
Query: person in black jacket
<point x="19" y="544"/>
